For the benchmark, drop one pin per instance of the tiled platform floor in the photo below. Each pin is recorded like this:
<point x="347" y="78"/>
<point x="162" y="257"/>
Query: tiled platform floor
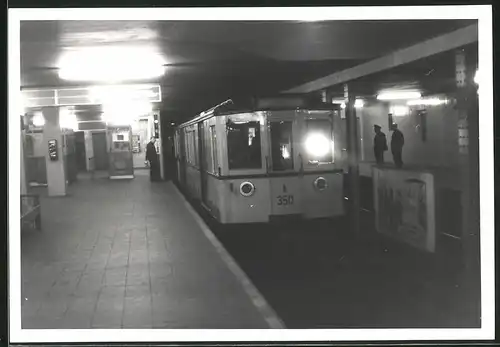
<point x="127" y="254"/>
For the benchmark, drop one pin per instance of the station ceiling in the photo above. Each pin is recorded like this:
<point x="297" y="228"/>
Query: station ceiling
<point x="211" y="61"/>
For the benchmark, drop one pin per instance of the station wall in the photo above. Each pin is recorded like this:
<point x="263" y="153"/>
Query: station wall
<point x="439" y="149"/>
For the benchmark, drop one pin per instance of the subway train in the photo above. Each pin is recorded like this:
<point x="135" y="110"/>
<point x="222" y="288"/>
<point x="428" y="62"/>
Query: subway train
<point x="272" y="159"/>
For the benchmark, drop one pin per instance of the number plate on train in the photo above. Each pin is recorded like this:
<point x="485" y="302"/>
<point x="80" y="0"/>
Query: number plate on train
<point x="284" y="200"/>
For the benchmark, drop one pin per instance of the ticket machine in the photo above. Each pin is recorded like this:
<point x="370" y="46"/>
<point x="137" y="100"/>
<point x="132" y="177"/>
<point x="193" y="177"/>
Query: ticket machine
<point x="121" y="164"/>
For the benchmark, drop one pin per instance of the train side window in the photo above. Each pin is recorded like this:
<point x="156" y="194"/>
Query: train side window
<point x="319" y="142"/>
<point x="187" y="140"/>
<point x="196" y="158"/>
<point x="213" y="140"/>
<point x="243" y="145"/>
<point x="281" y="146"/>
<point x="191" y="147"/>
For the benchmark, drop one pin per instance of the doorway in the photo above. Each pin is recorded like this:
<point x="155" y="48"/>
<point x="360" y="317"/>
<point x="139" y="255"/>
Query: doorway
<point x="81" y="160"/>
<point x="100" y="150"/>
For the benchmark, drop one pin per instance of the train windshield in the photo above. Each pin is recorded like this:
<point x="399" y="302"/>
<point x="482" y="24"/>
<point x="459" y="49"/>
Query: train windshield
<point x="243" y="144"/>
<point x="319" y="142"/>
<point x="281" y="145"/>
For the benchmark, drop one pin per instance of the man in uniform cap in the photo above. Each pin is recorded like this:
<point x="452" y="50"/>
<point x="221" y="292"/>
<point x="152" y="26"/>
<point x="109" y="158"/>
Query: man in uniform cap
<point x="397" y="143"/>
<point x="379" y="144"/>
<point x="152" y="158"/>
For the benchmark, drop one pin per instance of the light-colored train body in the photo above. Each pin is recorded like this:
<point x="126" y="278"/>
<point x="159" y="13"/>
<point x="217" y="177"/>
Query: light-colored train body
<point x="290" y="166"/>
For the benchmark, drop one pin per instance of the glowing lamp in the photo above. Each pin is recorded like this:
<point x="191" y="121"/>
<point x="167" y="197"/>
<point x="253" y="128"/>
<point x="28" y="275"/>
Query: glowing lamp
<point x="110" y="65"/>
<point x="285" y="153"/>
<point x="38" y="119"/>
<point x="399" y="96"/>
<point x="358" y="103"/>
<point x="68" y="120"/>
<point x="317" y="145"/>
<point x="399" y="111"/>
<point x="428" y="102"/>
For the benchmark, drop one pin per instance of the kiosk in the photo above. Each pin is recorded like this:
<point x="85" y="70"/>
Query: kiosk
<point x="121" y="164"/>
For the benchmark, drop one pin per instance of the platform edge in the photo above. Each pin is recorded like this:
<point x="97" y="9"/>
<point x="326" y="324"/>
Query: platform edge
<point x="258" y="300"/>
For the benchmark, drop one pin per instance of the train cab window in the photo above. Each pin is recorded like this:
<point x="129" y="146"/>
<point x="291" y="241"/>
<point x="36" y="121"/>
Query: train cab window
<point x="243" y="145"/>
<point x="281" y="146"/>
<point x="319" y="142"/>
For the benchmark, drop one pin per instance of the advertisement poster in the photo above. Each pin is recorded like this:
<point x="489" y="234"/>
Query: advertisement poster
<point x="405" y="206"/>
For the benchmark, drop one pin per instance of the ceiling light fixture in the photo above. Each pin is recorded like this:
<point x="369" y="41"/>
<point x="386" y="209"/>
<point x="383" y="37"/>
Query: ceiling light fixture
<point x="67" y="119"/>
<point x="427" y="102"/>
<point x="359" y="103"/>
<point x="399" y="111"/>
<point x="111" y="65"/>
<point x="398" y="96"/>
<point x="38" y="120"/>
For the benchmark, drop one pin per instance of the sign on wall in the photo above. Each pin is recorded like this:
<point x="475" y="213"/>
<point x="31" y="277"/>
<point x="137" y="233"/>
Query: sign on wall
<point x="405" y="206"/>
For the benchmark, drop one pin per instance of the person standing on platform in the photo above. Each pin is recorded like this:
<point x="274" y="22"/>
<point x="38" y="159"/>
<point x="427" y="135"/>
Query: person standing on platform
<point x="152" y="158"/>
<point x="397" y="143"/>
<point x="379" y="144"/>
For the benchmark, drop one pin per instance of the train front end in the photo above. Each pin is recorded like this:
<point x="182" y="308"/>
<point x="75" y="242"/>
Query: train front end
<point x="281" y="165"/>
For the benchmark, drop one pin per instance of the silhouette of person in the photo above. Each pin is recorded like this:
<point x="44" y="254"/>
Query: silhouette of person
<point x="397" y="143"/>
<point x="152" y="158"/>
<point x="379" y="144"/>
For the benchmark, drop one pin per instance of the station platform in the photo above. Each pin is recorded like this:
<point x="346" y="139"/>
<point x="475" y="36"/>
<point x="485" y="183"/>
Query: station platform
<point x="131" y="254"/>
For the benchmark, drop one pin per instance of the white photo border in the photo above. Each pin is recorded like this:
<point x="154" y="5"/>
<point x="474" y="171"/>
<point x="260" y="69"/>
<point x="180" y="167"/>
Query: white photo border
<point x="483" y="13"/>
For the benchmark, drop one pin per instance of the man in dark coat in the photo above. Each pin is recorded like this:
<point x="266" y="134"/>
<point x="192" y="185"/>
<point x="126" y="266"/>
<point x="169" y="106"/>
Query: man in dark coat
<point x="152" y="158"/>
<point x="397" y="143"/>
<point x="379" y="144"/>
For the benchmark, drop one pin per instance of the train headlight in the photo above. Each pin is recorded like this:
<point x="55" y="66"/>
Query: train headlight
<point x="317" y="145"/>
<point x="247" y="189"/>
<point x="320" y="183"/>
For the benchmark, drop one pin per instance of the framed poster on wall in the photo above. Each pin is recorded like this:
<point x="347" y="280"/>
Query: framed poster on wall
<point x="405" y="206"/>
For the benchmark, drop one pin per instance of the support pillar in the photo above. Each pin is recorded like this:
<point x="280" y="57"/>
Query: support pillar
<point x="89" y="150"/>
<point x="159" y="146"/>
<point x="24" y="183"/>
<point x="468" y="146"/>
<point x="56" y="173"/>
<point x="353" y="162"/>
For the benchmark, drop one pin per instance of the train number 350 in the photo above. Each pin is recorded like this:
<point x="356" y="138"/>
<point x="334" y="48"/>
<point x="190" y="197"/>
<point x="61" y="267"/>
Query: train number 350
<point x="283" y="200"/>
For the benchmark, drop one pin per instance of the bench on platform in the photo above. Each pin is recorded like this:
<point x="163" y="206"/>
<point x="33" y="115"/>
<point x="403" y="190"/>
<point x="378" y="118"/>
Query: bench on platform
<point x="31" y="211"/>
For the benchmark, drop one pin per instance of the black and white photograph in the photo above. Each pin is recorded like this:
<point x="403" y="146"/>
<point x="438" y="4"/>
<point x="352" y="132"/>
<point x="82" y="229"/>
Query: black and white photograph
<point x="251" y="174"/>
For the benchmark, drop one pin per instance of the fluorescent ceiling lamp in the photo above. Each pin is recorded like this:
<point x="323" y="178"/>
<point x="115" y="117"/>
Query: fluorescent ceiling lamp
<point x="399" y="96"/>
<point x="399" y="111"/>
<point x="359" y="103"/>
<point x="38" y="119"/>
<point x="123" y="113"/>
<point x="135" y="109"/>
<point x="111" y="65"/>
<point x="115" y="119"/>
<point x="428" y="102"/>
<point x="67" y="120"/>
<point x="118" y="93"/>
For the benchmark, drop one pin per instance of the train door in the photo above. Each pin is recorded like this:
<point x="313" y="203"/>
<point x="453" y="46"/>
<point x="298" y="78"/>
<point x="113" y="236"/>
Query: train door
<point x="182" y="158"/>
<point x="203" y="161"/>
<point x="282" y="166"/>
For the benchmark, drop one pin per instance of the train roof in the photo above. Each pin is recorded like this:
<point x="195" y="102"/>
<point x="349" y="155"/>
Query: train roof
<point x="274" y="103"/>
